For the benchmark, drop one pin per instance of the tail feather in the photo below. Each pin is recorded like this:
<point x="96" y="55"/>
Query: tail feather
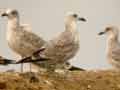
<point x="6" y="61"/>
<point x="73" y="68"/>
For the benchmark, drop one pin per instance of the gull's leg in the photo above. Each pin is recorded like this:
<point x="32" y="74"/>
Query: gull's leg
<point x="22" y="70"/>
<point x="22" y="67"/>
<point x="30" y="67"/>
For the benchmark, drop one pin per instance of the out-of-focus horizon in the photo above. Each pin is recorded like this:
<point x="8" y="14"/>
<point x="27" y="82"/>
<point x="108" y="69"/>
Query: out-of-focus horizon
<point x="46" y="18"/>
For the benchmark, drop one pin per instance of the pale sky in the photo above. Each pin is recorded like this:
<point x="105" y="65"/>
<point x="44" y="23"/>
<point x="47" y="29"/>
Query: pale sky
<point x="46" y="18"/>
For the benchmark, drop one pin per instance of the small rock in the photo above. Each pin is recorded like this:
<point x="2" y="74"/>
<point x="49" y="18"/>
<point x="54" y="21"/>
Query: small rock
<point x="3" y="85"/>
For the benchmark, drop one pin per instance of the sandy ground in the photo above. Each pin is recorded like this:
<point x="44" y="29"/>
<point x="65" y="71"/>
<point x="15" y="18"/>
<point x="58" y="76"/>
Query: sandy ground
<point x="75" y="80"/>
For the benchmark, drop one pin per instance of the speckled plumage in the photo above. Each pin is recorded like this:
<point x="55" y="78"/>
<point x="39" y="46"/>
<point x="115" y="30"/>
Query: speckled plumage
<point x="63" y="47"/>
<point x="23" y="42"/>
<point x="113" y="46"/>
<point x="20" y="38"/>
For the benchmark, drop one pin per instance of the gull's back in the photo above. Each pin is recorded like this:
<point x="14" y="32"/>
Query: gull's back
<point x="60" y="49"/>
<point x="24" y="42"/>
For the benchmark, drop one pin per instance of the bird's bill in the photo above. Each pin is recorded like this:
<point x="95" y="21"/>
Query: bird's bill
<point x="4" y="14"/>
<point x="101" y="33"/>
<point x="82" y="19"/>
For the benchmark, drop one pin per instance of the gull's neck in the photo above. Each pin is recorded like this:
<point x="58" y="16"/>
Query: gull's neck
<point x="112" y="40"/>
<point x="13" y="23"/>
<point x="71" y="26"/>
<point x="12" y="28"/>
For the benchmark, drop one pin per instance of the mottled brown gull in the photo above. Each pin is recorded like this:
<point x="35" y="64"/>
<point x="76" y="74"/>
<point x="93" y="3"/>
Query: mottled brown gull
<point x="64" y="46"/>
<point x="20" y="39"/>
<point x="113" y="46"/>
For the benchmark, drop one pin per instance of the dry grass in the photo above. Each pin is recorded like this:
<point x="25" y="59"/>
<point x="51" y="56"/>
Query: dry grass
<point x="84" y="80"/>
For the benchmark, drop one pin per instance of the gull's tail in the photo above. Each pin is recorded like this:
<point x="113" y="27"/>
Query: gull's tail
<point x="73" y="68"/>
<point x="4" y="61"/>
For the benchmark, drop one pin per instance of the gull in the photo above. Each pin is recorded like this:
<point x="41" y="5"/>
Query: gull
<point x="20" y="38"/>
<point x="63" y="47"/>
<point x="113" y="46"/>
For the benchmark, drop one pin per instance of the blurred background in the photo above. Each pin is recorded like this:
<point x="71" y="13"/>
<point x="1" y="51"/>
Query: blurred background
<point x="46" y="18"/>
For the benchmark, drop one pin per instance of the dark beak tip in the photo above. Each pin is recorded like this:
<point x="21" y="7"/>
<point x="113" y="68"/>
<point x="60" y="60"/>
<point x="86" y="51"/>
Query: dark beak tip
<point x="82" y="19"/>
<point x="101" y="33"/>
<point x="4" y="14"/>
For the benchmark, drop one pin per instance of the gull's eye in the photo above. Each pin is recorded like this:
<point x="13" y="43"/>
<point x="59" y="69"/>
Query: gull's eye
<point x="75" y="15"/>
<point x="14" y="12"/>
<point x="108" y="29"/>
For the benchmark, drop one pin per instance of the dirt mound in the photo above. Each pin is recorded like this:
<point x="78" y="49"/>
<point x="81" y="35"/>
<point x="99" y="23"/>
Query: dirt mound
<point x="77" y="80"/>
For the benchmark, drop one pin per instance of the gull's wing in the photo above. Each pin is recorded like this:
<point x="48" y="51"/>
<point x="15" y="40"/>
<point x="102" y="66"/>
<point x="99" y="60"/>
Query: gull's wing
<point x="116" y="54"/>
<point x="64" y="45"/>
<point x="59" y="47"/>
<point x="26" y="27"/>
<point x="33" y="40"/>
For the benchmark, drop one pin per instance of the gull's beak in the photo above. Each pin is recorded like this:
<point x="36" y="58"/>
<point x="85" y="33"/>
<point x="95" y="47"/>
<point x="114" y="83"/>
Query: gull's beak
<point x="82" y="19"/>
<point x="4" y="14"/>
<point x="101" y="33"/>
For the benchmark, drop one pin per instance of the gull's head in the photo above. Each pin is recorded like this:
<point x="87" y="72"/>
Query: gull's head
<point x="10" y="13"/>
<point x="110" y="30"/>
<point x="74" y="17"/>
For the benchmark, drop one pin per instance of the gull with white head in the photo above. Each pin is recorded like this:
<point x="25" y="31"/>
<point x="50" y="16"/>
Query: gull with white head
<point x="113" y="45"/>
<point x="20" y="39"/>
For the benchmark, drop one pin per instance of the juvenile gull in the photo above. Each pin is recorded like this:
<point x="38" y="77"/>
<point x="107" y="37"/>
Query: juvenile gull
<point x="113" y="46"/>
<point x="63" y="47"/>
<point x="20" y="39"/>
